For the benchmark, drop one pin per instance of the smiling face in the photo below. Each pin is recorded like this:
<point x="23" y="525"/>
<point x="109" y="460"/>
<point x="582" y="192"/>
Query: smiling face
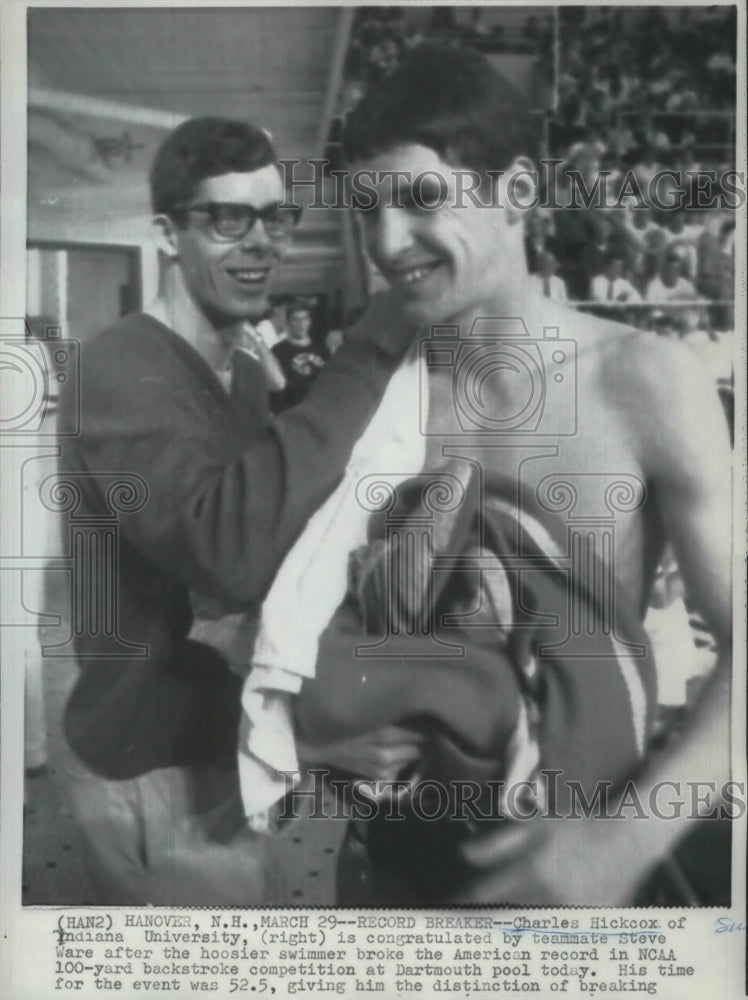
<point x="446" y="261"/>
<point x="230" y="281"/>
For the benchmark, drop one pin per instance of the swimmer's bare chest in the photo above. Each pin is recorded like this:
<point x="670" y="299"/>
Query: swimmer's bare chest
<point x="589" y="472"/>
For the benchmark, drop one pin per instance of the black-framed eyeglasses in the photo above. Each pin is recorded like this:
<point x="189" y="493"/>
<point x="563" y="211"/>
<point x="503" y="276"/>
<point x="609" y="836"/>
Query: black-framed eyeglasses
<point x="230" y="222"/>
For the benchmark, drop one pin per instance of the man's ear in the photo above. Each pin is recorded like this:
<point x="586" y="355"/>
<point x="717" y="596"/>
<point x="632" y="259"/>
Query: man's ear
<point x="165" y="236"/>
<point x="521" y="188"/>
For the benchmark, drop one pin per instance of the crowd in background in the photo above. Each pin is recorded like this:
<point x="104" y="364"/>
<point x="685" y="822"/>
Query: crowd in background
<point x="639" y="92"/>
<point x="606" y="71"/>
<point x="619" y="91"/>
<point x="617" y="69"/>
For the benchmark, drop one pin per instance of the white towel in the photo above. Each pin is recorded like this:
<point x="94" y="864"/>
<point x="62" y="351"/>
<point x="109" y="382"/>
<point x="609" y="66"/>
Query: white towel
<point x="310" y="586"/>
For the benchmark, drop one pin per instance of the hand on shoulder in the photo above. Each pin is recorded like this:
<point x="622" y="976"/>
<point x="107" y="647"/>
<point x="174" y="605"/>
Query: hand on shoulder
<point x="384" y="324"/>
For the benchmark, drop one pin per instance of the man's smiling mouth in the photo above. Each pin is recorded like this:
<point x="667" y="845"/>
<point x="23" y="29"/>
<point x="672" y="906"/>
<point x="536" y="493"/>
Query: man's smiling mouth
<point x="412" y="275"/>
<point x="249" y="276"/>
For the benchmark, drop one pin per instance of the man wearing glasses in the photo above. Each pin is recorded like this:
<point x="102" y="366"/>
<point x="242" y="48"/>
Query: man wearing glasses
<point x="167" y="403"/>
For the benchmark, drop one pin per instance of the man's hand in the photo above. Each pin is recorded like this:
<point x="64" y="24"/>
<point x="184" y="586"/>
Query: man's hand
<point x="557" y="862"/>
<point x="385" y="324"/>
<point x="377" y="756"/>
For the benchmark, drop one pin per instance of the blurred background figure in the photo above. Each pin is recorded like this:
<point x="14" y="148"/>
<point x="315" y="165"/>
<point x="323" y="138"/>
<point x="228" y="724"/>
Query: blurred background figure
<point x="669" y="285"/>
<point x="540" y="235"/>
<point x="547" y="279"/>
<point x="334" y="340"/>
<point x="683" y="238"/>
<point x="610" y="290"/>
<point x="299" y="356"/>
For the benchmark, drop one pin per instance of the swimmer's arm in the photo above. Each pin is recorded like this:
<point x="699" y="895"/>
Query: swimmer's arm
<point x="687" y="460"/>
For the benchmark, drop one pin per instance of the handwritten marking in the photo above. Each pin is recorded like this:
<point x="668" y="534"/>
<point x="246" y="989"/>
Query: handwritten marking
<point x="726" y="925"/>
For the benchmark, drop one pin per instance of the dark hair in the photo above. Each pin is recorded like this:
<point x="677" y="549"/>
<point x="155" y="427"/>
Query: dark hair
<point x="201" y="148"/>
<point x="451" y="100"/>
<point x="298" y="306"/>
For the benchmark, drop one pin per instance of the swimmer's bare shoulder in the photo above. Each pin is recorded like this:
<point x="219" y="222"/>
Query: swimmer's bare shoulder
<point x="659" y="391"/>
<point x="667" y="399"/>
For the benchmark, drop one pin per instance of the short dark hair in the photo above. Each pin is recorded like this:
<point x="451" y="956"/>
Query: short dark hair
<point x="298" y="306"/>
<point x="451" y="100"/>
<point x="201" y="148"/>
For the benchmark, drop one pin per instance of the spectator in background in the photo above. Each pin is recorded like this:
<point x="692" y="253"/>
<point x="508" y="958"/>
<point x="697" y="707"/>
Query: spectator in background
<point x="655" y="158"/>
<point x="709" y="247"/>
<point x="539" y="238"/>
<point x="724" y="315"/>
<point x="612" y="289"/>
<point x="586" y="157"/>
<point x="655" y="248"/>
<point x="534" y="241"/>
<point x="334" y="341"/>
<point x="669" y="285"/>
<point x="573" y="230"/>
<point x="639" y="221"/>
<point x="636" y="226"/>
<point x="299" y="356"/>
<point x="684" y="155"/>
<point x="546" y="281"/>
<point x="683" y="239"/>
<point x="606" y="239"/>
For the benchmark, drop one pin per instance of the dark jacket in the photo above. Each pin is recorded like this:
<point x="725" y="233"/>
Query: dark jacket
<point x="227" y="490"/>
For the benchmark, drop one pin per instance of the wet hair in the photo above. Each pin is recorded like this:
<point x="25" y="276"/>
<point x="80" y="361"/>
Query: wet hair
<point x="451" y="100"/>
<point x="201" y="148"/>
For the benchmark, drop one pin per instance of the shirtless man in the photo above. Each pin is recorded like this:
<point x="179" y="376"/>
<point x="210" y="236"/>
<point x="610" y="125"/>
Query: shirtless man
<point x="644" y="413"/>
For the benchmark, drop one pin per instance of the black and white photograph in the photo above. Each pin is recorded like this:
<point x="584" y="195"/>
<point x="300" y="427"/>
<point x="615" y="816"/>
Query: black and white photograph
<point x="372" y="443"/>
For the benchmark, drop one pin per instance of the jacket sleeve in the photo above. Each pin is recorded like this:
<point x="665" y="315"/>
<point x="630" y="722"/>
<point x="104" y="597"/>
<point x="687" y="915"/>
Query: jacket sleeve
<point x="220" y="515"/>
